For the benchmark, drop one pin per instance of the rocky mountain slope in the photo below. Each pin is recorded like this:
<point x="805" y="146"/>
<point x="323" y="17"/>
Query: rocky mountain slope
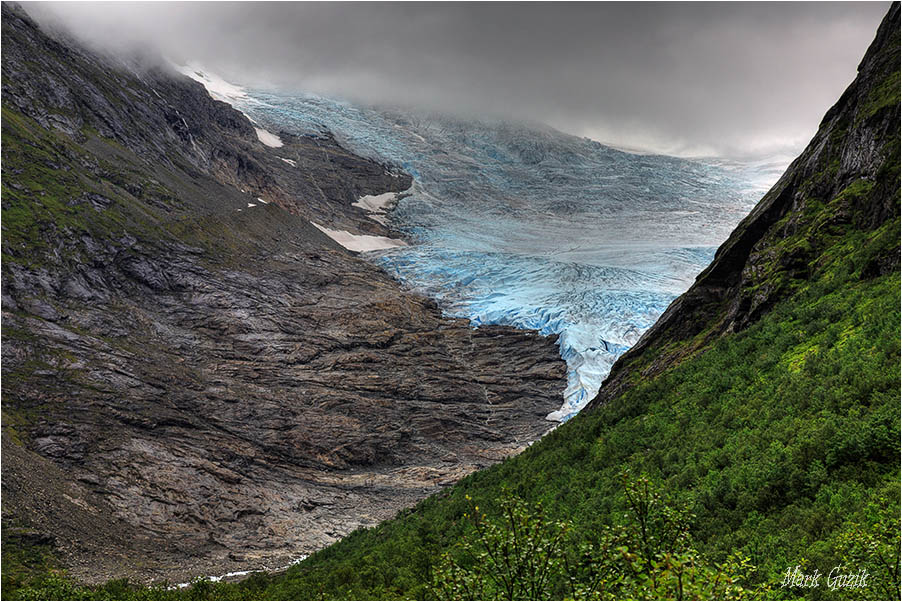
<point x="195" y="379"/>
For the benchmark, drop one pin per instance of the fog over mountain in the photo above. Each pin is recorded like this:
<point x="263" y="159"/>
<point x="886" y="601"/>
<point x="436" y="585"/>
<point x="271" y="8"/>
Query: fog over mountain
<point x="710" y="78"/>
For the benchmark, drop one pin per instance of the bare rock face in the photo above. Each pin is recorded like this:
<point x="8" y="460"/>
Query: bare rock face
<point x="195" y="386"/>
<point x="847" y="178"/>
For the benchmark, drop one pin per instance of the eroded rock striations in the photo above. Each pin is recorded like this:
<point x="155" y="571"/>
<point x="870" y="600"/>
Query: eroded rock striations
<point x="191" y="384"/>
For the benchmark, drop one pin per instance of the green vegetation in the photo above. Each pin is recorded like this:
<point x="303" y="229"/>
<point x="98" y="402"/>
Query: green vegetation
<point x="54" y="191"/>
<point x="24" y="560"/>
<point x="524" y="556"/>
<point x="58" y="192"/>
<point x="883" y="96"/>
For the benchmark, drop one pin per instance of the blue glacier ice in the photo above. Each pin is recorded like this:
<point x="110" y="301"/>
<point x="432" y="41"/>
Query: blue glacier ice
<point x="520" y="224"/>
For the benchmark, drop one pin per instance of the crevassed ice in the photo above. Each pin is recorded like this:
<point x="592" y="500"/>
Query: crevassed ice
<point x="526" y="226"/>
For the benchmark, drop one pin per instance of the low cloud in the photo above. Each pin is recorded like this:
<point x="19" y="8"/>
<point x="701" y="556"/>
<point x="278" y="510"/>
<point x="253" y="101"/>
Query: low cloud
<point x="732" y="79"/>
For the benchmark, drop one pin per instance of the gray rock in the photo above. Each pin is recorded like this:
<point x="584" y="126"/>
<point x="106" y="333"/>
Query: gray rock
<point x="201" y="390"/>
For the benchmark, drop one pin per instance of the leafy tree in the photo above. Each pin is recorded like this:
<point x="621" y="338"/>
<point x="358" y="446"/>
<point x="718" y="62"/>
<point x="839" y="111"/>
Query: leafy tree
<point x="513" y="557"/>
<point x="875" y="545"/>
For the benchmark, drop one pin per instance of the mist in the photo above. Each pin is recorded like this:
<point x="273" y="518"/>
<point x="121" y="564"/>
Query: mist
<point x="729" y="79"/>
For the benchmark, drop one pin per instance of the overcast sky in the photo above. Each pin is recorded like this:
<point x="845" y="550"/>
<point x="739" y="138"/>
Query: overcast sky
<point x="733" y="79"/>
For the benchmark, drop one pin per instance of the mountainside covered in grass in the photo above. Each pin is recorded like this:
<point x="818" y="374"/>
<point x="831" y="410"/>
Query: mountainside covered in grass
<point x="766" y="398"/>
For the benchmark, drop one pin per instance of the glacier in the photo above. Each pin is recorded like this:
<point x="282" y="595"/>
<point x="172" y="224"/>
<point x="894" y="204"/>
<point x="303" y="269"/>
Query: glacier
<point x="523" y="225"/>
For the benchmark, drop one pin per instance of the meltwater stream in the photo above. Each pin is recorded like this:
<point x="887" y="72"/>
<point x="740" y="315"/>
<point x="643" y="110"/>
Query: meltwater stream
<point x="526" y="226"/>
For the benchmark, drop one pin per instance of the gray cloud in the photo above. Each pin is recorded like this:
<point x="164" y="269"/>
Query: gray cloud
<point x="709" y="78"/>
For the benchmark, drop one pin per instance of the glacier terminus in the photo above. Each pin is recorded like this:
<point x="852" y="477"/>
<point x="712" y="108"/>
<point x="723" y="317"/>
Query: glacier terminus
<point x="523" y="225"/>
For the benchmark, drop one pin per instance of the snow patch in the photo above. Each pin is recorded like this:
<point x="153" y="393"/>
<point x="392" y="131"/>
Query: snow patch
<point x="360" y="242"/>
<point x="268" y="138"/>
<point x="217" y="87"/>
<point x="375" y="203"/>
<point x="262" y="201"/>
<point x="249" y="205"/>
<point x="289" y="161"/>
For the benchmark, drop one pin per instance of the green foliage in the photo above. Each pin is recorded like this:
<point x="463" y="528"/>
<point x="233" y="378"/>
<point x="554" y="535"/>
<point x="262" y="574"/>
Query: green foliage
<point x="651" y="555"/>
<point x="875" y="542"/>
<point x="23" y="560"/>
<point x="515" y="558"/>
<point x="886" y="95"/>
<point x="522" y="555"/>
